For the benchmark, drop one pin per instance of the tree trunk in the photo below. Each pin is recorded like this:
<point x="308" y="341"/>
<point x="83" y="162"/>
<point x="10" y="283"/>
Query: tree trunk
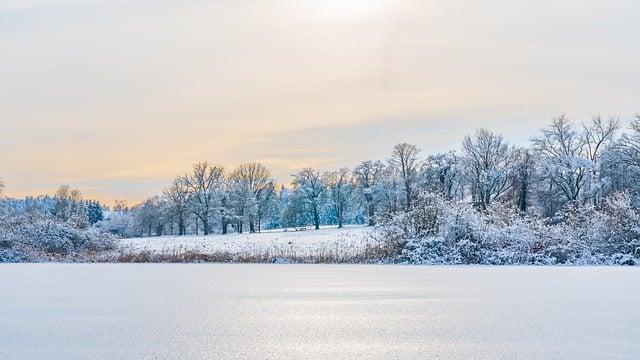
<point x="205" y="226"/>
<point x="181" y="226"/>
<point x="316" y="219"/>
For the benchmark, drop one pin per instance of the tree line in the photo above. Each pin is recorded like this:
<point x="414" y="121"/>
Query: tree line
<point x="565" y="164"/>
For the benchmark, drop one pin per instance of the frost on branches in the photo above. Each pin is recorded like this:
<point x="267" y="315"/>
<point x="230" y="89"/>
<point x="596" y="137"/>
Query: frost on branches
<point x="437" y="231"/>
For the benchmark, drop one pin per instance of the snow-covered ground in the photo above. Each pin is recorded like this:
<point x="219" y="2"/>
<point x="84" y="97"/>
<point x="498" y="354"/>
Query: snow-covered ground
<point x="349" y="240"/>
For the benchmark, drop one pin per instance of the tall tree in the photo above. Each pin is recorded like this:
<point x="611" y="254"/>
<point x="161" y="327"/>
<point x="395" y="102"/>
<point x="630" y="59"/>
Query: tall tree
<point x="204" y="185"/>
<point x="571" y="159"/>
<point x="178" y="207"/>
<point x="150" y="216"/>
<point x="256" y="186"/>
<point x="487" y="161"/>
<point x="630" y="145"/>
<point x="340" y="188"/>
<point x="598" y="137"/>
<point x="309" y="189"/>
<point x="404" y="159"/>
<point x="442" y="173"/>
<point x="368" y="180"/>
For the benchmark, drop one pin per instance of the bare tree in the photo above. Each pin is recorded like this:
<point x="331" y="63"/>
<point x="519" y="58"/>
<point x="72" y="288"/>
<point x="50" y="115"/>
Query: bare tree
<point x="404" y="159"/>
<point x="487" y="160"/>
<point x="309" y="189"/>
<point x="368" y="180"/>
<point x="623" y="163"/>
<point x="340" y="188"/>
<point x="442" y="173"/>
<point x="571" y="160"/>
<point x="629" y="147"/>
<point x="597" y="137"/>
<point x="257" y="186"/>
<point x="150" y="216"/>
<point x="204" y="184"/>
<point x="120" y="206"/>
<point x="178" y="196"/>
<point x="561" y="148"/>
<point x="67" y="202"/>
<point x="1" y="187"/>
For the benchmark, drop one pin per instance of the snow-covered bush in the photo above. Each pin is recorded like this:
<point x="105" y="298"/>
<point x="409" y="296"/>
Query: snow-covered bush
<point x="436" y="231"/>
<point x="28" y="232"/>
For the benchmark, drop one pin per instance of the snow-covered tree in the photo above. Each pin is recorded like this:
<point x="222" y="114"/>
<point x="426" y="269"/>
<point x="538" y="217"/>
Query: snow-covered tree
<point x="405" y="162"/>
<point x="488" y="163"/>
<point x="626" y="158"/>
<point x="177" y="195"/>
<point x="443" y="173"/>
<point x="562" y="163"/>
<point x="204" y="184"/>
<point x="94" y="212"/>
<point x="368" y="178"/>
<point x="571" y="160"/>
<point x="309" y="191"/>
<point x="69" y="206"/>
<point x="254" y="190"/>
<point x="340" y="189"/>
<point x="151" y="216"/>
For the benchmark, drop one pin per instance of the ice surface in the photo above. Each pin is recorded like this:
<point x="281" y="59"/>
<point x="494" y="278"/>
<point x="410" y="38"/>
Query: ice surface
<point x="232" y="311"/>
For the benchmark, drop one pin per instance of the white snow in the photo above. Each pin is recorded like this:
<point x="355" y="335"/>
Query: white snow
<point x="260" y="311"/>
<point x="348" y="240"/>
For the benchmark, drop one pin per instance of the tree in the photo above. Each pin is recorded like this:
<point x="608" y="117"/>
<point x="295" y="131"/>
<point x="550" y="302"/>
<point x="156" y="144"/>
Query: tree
<point x="309" y="189"/>
<point x="368" y="178"/>
<point x="404" y="159"/>
<point x="255" y="189"/>
<point x="1" y="187"/>
<point x="150" y="216"/>
<point x="598" y="138"/>
<point x="523" y="177"/>
<point x="94" y="212"/>
<point x="340" y="189"/>
<point x="177" y="196"/>
<point x="442" y="173"/>
<point x="629" y="147"/>
<point x="120" y="206"/>
<point x="67" y="203"/>
<point x="571" y="160"/>
<point x="487" y="161"/>
<point x="204" y="185"/>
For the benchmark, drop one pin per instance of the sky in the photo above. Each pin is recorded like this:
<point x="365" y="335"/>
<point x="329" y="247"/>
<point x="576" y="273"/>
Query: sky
<point x="117" y="97"/>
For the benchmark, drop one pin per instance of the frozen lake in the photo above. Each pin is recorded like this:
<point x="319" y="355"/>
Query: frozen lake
<point x="205" y="311"/>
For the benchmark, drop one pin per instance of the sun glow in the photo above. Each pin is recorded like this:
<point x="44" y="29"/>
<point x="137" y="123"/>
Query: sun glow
<point x="349" y="8"/>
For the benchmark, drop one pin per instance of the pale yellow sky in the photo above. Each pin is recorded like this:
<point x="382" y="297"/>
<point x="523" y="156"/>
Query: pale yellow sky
<point x="118" y="97"/>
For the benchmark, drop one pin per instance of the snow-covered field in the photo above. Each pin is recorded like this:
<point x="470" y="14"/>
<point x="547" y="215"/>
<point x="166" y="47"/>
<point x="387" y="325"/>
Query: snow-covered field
<point x="350" y="240"/>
